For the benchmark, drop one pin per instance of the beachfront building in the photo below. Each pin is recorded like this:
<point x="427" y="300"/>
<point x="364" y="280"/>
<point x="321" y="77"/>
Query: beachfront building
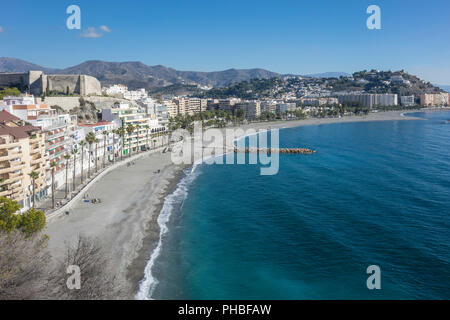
<point x="369" y="100"/>
<point x="315" y="102"/>
<point x="172" y="108"/>
<point x="212" y="104"/>
<point x="162" y="114"/>
<point x="185" y="106"/>
<point x="145" y="126"/>
<point x="228" y="105"/>
<point x="59" y="130"/>
<point x="407" y="101"/>
<point x="182" y="106"/>
<point x="22" y="151"/>
<point x="196" y="105"/>
<point x="285" y="107"/>
<point x="435" y="100"/>
<point x="99" y="129"/>
<point x="251" y="109"/>
<point x="268" y="106"/>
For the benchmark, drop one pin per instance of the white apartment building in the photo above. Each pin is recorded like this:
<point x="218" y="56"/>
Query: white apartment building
<point x="116" y="90"/>
<point x="135" y="95"/>
<point x="99" y="129"/>
<point x="145" y="125"/>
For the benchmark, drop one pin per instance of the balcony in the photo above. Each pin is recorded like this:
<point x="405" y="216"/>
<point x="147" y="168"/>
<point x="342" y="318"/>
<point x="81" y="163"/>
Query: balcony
<point x="10" y="145"/>
<point x="40" y="150"/>
<point x="18" y="163"/>
<point x="8" y="156"/>
<point x="15" y="175"/>
<point x="56" y="135"/>
<point x="56" y="145"/>
<point x="37" y="160"/>
<point x="12" y="167"/>
<point x="12" y="178"/>
<point x="57" y="125"/>
<point x="15" y="188"/>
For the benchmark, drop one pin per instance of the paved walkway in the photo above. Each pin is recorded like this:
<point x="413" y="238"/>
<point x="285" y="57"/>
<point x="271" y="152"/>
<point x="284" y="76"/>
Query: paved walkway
<point x="60" y="195"/>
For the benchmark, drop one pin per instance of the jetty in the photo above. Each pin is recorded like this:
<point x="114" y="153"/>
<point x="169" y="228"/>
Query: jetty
<point x="273" y="150"/>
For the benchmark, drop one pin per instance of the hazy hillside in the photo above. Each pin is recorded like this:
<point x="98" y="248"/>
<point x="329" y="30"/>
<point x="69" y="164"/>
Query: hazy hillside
<point x="17" y="65"/>
<point x="138" y="75"/>
<point x="328" y="75"/>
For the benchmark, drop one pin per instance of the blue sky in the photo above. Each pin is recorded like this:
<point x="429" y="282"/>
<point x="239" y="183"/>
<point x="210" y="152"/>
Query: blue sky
<point x="287" y="36"/>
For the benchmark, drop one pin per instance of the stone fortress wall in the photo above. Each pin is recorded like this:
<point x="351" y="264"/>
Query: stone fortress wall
<point x="37" y="83"/>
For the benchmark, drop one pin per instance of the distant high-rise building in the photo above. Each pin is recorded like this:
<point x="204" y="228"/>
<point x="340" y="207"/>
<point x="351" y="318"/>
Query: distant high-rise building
<point x="252" y="109"/>
<point x="369" y="100"/>
<point x="172" y="108"/>
<point x="285" y="107"/>
<point x="268" y="106"/>
<point x="407" y="101"/>
<point x="434" y="100"/>
<point x="228" y="104"/>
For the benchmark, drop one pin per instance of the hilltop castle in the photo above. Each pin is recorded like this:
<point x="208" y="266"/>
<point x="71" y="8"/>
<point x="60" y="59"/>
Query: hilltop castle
<point x="37" y="83"/>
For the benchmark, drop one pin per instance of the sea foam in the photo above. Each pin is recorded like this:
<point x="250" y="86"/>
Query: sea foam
<point x="148" y="285"/>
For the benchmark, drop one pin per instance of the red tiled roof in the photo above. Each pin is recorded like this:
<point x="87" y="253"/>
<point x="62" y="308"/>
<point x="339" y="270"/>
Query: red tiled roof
<point x="19" y="132"/>
<point x="5" y="116"/>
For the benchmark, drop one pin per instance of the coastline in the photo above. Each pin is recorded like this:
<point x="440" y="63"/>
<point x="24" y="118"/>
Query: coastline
<point x="126" y="221"/>
<point x="131" y="201"/>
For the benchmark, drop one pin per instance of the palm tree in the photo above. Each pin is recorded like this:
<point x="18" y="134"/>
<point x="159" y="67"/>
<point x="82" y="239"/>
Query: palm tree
<point x="96" y="149"/>
<point x="53" y="166"/>
<point x="130" y="130"/>
<point x="33" y="175"/>
<point x="121" y="133"/>
<point x="74" y="153"/>
<point x="82" y="144"/>
<point x="114" y="132"/>
<point x="67" y="157"/>
<point x="137" y="138"/>
<point x="90" y="138"/>
<point x="105" y="135"/>
<point x="148" y="132"/>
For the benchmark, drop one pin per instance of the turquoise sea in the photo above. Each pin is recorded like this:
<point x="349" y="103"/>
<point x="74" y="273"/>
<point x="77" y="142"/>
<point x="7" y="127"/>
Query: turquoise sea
<point x="376" y="193"/>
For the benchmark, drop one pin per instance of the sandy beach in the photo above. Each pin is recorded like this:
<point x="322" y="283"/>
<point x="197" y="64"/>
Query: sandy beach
<point x="132" y="197"/>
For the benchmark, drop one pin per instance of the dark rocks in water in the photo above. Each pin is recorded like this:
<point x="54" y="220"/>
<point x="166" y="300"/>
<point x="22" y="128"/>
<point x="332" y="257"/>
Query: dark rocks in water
<point x="270" y="151"/>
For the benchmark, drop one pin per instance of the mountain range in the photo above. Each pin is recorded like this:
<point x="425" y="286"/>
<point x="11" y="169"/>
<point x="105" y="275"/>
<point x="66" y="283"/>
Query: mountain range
<point x="138" y="75"/>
